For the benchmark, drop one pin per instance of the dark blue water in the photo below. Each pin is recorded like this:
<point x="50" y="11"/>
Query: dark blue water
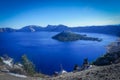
<point x="47" y="54"/>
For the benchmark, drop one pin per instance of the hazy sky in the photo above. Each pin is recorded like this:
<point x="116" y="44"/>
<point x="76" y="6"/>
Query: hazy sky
<point x="19" y="13"/>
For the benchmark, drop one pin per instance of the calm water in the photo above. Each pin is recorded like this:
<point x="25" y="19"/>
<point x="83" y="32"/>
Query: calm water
<point x="47" y="54"/>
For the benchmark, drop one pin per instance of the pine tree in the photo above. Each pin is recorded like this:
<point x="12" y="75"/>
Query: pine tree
<point x="28" y="65"/>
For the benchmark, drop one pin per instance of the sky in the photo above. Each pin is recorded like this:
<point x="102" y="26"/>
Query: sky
<point x="20" y="13"/>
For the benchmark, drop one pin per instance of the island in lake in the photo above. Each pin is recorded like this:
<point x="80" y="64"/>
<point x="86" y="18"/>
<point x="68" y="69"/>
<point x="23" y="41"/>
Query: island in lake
<point x="71" y="36"/>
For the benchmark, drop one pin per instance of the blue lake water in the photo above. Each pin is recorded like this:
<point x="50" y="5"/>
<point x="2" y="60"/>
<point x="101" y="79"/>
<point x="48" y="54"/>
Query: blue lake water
<point x="47" y="54"/>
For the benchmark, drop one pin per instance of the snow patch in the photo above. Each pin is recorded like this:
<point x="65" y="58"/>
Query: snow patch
<point x="8" y="61"/>
<point x="32" y="29"/>
<point x="17" y="75"/>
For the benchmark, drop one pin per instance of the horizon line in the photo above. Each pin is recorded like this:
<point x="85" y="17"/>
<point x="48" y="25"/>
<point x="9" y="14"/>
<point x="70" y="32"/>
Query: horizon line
<point x="63" y="25"/>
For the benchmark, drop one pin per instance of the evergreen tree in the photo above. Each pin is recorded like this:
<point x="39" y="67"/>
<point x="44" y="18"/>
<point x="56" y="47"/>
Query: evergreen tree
<point x="28" y="65"/>
<point x="1" y="61"/>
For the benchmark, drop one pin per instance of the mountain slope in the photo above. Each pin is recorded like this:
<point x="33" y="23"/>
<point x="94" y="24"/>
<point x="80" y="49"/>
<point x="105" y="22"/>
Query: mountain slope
<point x="30" y="28"/>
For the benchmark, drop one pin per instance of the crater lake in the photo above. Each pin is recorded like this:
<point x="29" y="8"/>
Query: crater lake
<point x="48" y="54"/>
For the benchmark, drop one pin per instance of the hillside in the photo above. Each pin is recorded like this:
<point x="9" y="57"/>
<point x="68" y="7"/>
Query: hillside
<point x="111" y="72"/>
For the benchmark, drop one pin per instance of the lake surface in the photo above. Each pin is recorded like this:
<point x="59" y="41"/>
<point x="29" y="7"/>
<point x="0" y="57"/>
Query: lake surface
<point x="47" y="54"/>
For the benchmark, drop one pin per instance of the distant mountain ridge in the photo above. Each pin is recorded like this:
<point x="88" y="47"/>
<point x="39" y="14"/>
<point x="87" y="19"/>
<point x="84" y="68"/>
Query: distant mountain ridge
<point x="7" y="30"/>
<point x="108" y="29"/>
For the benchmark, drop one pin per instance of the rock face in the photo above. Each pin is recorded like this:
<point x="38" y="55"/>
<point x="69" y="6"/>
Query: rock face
<point x="71" y="36"/>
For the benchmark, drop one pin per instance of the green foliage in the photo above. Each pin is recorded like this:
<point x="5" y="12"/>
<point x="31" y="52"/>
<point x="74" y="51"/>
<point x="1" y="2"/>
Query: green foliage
<point x="28" y="65"/>
<point x="1" y="60"/>
<point x="107" y="59"/>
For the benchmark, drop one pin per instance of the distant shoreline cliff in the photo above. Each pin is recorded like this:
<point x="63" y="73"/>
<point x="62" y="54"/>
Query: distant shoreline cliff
<point x="108" y="29"/>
